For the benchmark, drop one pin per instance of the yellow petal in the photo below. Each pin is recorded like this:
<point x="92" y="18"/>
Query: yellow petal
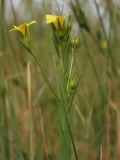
<point x="13" y="29"/>
<point x="27" y="28"/>
<point x="56" y="20"/>
<point x="32" y="22"/>
<point x="22" y="29"/>
<point x="27" y="32"/>
<point x="50" y="18"/>
<point x="56" y="23"/>
<point x="61" y="20"/>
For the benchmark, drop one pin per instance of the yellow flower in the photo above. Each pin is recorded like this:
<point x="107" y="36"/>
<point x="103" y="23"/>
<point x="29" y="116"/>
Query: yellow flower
<point x="56" y="20"/>
<point x="24" y="30"/>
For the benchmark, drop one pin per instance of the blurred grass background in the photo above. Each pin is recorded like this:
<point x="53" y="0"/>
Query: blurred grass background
<point x="28" y="110"/>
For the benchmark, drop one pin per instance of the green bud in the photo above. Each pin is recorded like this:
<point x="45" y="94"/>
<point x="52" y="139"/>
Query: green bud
<point x="76" y="43"/>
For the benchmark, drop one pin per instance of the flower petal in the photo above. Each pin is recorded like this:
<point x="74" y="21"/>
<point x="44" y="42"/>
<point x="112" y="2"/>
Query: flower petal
<point x="30" y="23"/>
<point x="61" y="20"/>
<point x="50" y="18"/>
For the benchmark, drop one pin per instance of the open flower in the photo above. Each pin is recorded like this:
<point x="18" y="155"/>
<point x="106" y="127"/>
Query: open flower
<point x="57" y="21"/>
<point x="24" y="30"/>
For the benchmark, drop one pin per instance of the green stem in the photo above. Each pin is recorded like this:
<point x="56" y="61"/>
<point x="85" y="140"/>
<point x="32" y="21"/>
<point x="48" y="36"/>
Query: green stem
<point x="70" y="71"/>
<point x="41" y="69"/>
<point x="64" y="134"/>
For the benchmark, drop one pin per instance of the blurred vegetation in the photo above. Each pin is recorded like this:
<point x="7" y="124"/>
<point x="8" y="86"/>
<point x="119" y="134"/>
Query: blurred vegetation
<point x="29" y="127"/>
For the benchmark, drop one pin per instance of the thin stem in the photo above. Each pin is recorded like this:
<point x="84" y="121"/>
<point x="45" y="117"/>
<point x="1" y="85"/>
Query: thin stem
<point x="41" y="69"/>
<point x="73" y="143"/>
<point x="70" y="71"/>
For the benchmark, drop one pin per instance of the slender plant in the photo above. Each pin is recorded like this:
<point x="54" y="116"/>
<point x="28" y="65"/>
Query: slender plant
<point x="67" y="82"/>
